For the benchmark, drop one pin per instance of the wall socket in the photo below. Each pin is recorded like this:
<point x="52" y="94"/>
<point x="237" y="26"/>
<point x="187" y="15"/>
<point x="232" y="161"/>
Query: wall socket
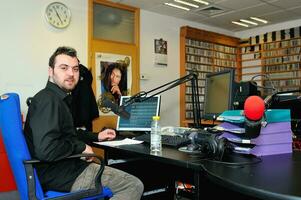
<point x="144" y="77"/>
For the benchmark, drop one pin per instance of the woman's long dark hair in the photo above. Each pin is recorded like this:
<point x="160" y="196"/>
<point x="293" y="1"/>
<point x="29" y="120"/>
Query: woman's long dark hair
<point x="107" y="78"/>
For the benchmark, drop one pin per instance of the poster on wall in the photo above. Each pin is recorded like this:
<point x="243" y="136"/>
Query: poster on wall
<point x="160" y="52"/>
<point x="114" y="79"/>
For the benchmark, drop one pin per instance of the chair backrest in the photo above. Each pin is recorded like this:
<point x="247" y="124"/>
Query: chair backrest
<point x="15" y="143"/>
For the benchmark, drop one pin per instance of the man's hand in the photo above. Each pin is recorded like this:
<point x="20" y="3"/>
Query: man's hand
<point x="107" y="134"/>
<point x="88" y="150"/>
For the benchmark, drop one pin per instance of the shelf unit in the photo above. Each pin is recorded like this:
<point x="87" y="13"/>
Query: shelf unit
<point x="204" y="52"/>
<point x="280" y="60"/>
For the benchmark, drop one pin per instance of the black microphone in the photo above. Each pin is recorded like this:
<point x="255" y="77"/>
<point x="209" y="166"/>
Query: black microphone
<point x="118" y="110"/>
<point x="254" y="108"/>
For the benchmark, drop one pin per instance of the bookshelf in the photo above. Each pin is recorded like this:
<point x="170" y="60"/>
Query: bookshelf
<point x="280" y="60"/>
<point x="204" y="52"/>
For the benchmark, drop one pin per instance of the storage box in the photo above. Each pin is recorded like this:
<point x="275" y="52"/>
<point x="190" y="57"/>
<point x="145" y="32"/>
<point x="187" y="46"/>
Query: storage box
<point x="274" y="138"/>
<point x="273" y="133"/>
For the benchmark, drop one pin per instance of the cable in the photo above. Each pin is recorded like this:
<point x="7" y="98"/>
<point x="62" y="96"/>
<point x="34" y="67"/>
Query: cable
<point x="257" y="160"/>
<point x="198" y="159"/>
<point x="253" y="82"/>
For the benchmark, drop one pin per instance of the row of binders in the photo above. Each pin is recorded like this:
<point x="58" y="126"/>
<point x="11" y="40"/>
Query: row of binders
<point x="274" y="138"/>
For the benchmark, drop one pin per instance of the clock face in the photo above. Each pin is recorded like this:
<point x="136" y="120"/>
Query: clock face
<point x="58" y="15"/>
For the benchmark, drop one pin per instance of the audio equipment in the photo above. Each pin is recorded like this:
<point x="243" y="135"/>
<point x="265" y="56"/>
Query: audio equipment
<point x="211" y="145"/>
<point x="242" y="91"/>
<point x="254" y="108"/>
<point x="118" y="110"/>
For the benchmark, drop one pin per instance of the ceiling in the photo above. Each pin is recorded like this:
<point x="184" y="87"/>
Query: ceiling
<point x="220" y="13"/>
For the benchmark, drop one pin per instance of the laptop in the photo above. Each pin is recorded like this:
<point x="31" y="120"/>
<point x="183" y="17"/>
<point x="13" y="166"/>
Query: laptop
<point x="141" y="114"/>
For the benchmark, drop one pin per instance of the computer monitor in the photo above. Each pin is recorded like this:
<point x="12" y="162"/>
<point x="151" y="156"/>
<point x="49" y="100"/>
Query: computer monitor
<point x="218" y="93"/>
<point x="141" y="114"/>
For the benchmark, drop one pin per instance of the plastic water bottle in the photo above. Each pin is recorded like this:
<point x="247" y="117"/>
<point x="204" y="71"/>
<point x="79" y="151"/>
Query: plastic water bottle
<point x="155" y="144"/>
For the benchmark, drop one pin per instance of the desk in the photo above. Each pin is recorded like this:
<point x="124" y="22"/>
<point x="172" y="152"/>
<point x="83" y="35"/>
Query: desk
<point x="276" y="177"/>
<point x="169" y="156"/>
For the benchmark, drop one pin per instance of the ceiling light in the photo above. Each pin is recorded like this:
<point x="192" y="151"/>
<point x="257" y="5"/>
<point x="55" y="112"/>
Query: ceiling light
<point x="240" y="24"/>
<point x="248" y="21"/>
<point x="176" y="6"/>
<point x="186" y="3"/>
<point x="202" y="2"/>
<point x="260" y="20"/>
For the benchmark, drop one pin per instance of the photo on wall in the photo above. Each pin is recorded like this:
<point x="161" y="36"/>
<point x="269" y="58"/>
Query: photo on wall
<point x="114" y="79"/>
<point x="160" y="52"/>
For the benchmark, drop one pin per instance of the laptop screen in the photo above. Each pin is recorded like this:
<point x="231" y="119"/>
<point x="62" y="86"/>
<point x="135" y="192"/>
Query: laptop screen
<point x="141" y="114"/>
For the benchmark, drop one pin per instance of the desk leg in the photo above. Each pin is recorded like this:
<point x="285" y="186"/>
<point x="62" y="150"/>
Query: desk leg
<point x="196" y="178"/>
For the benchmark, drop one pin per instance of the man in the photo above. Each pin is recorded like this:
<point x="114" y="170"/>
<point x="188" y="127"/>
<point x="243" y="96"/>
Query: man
<point x="51" y="136"/>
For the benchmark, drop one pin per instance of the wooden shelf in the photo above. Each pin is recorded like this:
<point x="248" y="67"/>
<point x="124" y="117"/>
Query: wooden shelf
<point x="204" y="52"/>
<point x="189" y="123"/>
<point x="278" y="59"/>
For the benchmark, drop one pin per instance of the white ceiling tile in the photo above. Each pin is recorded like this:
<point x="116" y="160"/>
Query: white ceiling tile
<point x="163" y="9"/>
<point x="280" y="17"/>
<point x="295" y="11"/>
<point x="287" y="3"/>
<point x="239" y="4"/>
<point x="275" y="11"/>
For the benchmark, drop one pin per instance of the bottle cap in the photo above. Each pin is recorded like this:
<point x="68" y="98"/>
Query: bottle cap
<point x="156" y="117"/>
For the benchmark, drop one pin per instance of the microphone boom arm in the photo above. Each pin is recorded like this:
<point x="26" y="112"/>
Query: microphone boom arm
<point x="193" y="77"/>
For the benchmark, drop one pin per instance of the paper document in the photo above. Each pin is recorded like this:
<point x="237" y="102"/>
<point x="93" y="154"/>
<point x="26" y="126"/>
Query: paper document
<point x="125" y="141"/>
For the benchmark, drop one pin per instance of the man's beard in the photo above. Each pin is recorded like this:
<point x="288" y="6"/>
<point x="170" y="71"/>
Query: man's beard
<point x="51" y="79"/>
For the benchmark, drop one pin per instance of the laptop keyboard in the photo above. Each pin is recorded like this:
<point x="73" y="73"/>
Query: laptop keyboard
<point x="167" y="140"/>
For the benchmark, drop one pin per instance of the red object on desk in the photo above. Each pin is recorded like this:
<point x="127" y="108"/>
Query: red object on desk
<point x="7" y="182"/>
<point x="254" y="108"/>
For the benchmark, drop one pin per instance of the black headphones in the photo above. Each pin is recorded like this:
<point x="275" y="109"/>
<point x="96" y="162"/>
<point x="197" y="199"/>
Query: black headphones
<point x="215" y="147"/>
<point x="210" y="144"/>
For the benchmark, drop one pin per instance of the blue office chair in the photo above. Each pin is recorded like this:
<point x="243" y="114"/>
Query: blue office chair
<point x="18" y="154"/>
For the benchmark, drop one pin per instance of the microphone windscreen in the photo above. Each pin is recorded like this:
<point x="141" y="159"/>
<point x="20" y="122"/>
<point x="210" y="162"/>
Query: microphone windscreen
<point x="118" y="110"/>
<point x="254" y="108"/>
<point x="106" y="102"/>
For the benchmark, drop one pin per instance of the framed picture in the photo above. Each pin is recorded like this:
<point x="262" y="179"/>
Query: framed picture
<point x="160" y="52"/>
<point x="160" y="46"/>
<point x="113" y="72"/>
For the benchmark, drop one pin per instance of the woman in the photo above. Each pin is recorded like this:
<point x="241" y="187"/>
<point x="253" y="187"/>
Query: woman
<point x="114" y="81"/>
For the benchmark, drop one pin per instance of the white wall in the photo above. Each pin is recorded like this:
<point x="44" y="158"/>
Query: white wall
<point x="155" y="26"/>
<point x="27" y="42"/>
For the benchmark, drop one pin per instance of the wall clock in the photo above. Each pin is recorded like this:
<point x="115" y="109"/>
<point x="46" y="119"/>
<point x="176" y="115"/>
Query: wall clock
<point x="58" y="15"/>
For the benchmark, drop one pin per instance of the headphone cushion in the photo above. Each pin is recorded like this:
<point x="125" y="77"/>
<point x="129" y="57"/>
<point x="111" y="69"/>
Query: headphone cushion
<point x="220" y="145"/>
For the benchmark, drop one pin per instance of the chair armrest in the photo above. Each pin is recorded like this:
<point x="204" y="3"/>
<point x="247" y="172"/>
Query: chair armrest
<point x="31" y="181"/>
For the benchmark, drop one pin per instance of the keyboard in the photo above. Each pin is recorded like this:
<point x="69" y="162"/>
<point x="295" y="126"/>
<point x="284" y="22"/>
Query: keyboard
<point x="167" y="140"/>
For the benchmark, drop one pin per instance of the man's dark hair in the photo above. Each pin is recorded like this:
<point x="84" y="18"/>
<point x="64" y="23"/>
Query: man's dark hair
<point x="62" y="50"/>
